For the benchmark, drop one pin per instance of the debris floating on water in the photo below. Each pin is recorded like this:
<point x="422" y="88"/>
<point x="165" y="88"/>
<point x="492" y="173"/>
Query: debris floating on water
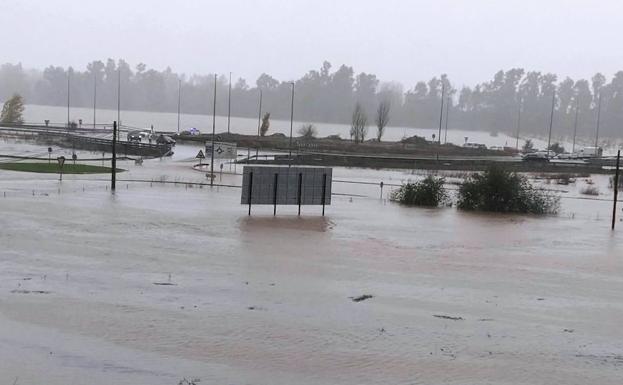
<point x="361" y="297"/>
<point x="448" y="317"/>
<point x="30" y="292"/>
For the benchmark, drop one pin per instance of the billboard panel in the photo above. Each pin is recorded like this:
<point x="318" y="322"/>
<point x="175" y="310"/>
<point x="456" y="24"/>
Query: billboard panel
<point x="286" y="185"/>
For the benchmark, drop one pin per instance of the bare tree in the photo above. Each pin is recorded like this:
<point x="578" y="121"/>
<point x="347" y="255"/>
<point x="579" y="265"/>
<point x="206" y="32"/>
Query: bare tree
<point x="359" y="124"/>
<point x="308" y="131"/>
<point x="382" y="118"/>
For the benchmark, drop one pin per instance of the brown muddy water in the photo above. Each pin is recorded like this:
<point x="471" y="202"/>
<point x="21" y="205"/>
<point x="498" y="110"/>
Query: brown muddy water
<point x="161" y="282"/>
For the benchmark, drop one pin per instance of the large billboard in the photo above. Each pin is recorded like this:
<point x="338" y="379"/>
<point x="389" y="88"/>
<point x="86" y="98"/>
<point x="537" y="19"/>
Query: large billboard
<point x="222" y="150"/>
<point x="286" y="185"/>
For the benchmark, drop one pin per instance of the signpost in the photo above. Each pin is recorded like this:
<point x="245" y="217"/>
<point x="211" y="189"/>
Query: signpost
<point x="286" y="186"/>
<point x="61" y="163"/>
<point x="200" y="156"/>
<point x="49" y="155"/>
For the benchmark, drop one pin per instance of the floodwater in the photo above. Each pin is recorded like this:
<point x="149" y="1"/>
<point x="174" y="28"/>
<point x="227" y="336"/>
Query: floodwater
<point x="162" y="282"/>
<point x="168" y="122"/>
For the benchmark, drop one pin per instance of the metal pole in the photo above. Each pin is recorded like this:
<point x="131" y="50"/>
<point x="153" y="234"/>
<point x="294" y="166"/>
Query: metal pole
<point x="259" y="120"/>
<point x="575" y="124"/>
<point x="94" y="99"/>
<point x="213" y="134"/>
<point x="445" y="137"/>
<point x="291" y="127"/>
<point x="616" y="189"/>
<point x="119" y="98"/>
<point x="300" y="192"/>
<point x="179" y="103"/>
<point x="229" y="104"/>
<point x="275" y="195"/>
<point x="518" y="124"/>
<point x="551" y="124"/>
<point x="113" y="171"/>
<point x="598" y="121"/>
<point x="250" y="190"/>
<point x="68" y="93"/>
<point x="443" y="95"/>
<point x="324" y="192"/>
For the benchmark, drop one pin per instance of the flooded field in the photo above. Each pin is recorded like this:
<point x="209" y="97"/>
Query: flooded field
<point x="161" y="282"/>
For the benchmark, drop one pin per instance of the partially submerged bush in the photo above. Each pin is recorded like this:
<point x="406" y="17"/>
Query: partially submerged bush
<point x="499" y="190"/>
<point x="590" y="190"/>
<point x="427" y="192"/>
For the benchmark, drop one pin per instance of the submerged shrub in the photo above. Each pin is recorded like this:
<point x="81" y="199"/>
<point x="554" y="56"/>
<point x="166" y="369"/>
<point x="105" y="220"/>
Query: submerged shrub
<point x="499" y="190"/>
<point x="590" y="190"/>
<point x="427" y="192"/>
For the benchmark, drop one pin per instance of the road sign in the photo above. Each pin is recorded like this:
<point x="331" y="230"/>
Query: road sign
<point x="200" y="155"/>
<point x="61" y="163"/>
<point x="222" y="150"/>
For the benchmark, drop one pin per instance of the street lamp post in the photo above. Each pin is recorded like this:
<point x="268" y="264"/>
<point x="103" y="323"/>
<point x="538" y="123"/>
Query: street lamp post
<point x="291" y="124"/>
<point x="213" y="134"/>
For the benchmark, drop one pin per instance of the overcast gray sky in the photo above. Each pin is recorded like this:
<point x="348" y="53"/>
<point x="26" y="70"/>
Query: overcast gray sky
<point x="401" y="40"/>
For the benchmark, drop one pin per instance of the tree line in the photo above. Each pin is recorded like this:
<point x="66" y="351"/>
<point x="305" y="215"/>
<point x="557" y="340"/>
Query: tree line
<point x="510" y="99"/>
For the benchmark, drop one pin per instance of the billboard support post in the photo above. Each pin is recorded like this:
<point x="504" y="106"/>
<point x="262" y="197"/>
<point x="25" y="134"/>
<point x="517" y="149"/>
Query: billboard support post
<point x="250" y="190"/>
<point x="300" y="191"/>
<point x="324" y="191"/>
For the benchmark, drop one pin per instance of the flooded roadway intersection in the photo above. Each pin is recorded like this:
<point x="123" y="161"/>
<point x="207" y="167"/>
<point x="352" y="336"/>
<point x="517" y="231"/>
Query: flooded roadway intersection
<point x="161" y="282"/>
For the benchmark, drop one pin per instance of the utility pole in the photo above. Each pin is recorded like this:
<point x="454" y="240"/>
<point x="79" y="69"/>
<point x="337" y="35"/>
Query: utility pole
<point x="443" y="95"/>
<point x="94" y="98"/>
<point x="229" y="104"/>
<point x="213" y="134"/>
<point x="518" y="124"/>
<point x="445" y="137"/>
<point x="113" y="171"/>
<point x="551" y="124"/>
<point x="598" y="121"/>
<point x="179" y="103"/>
<point x="291" y="125"/>
<point x="575" y="123"/>
<point x="259" y="122"/>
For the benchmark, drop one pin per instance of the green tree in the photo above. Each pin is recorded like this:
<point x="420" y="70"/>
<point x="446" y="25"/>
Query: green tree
<point x="265" y="124"/>
<point x="12" y="110"/>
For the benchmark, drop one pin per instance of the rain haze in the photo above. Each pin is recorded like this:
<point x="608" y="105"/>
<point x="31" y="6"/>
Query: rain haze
<point x="398" y="40"/>
<point x="311" y="192"/>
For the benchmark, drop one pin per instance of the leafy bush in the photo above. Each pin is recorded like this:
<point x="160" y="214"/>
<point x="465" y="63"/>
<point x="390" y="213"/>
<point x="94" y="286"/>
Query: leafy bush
<point x="499" y="190"/>
<point x="427" y="192"/>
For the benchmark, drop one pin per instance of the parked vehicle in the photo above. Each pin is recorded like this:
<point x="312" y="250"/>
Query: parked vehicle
<point x="590" y="152"/>
<point x="165" y="139"/>
<point x="497" y="148"/>
<point x="475" y="146"/>
<point x="538" y="156"/>
<point x="191" y="131"/>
